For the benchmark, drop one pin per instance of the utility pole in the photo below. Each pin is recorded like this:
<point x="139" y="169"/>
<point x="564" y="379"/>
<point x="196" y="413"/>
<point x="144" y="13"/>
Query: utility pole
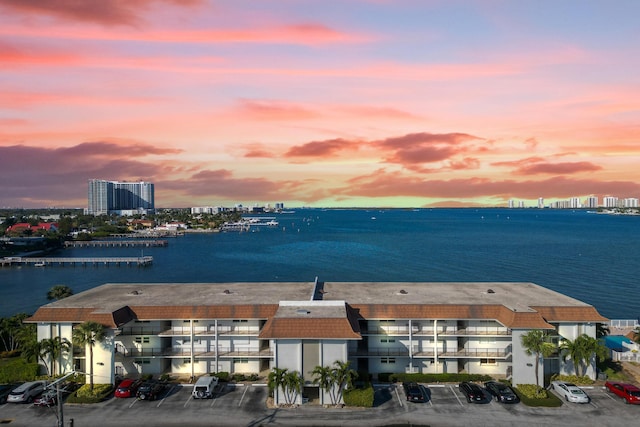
<point x="59" y="396"/>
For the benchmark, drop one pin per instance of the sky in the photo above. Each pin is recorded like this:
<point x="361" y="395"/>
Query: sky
<point x="328" y="103"/>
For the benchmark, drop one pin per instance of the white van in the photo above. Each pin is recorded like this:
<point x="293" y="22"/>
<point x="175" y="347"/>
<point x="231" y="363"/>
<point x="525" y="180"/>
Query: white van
<point x="203" y="389"/>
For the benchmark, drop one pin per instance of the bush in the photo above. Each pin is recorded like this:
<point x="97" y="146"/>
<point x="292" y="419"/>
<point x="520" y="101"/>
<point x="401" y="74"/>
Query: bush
<point x="16" y="369"/>
<point x="146" y="377"/>
<point x="359" y="396"/>
<point x="223" y="376"/>
<point x="85" y="395"/>
<point x="165" y="377"/>
<point x="573" y="379"/>
<point x="441" y="378"/>
<point x="532" y="395"/>
<point x="384" y="377"/>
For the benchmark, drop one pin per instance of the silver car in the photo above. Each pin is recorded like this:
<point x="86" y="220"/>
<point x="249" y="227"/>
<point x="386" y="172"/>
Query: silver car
<point x="570" y="392"/>
<point x="26" y="392"/>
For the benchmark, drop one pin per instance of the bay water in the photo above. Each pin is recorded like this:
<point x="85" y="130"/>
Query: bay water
<point x="588" y="256"/>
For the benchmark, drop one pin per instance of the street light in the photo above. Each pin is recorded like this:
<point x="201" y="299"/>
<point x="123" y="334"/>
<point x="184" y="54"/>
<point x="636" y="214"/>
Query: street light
<point x="57" y="382"/>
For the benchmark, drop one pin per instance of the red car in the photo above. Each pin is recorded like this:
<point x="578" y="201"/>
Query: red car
<point x="127" y="388"/>
<point x="628" y="392"/>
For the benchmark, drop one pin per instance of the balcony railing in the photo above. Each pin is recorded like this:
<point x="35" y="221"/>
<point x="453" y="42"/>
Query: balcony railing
<point x="186" y="352"/>
<point x="200" y="331"/>
<point x="493" y="353"/>
<point x="140" y="330"/>
<point x="404" y="330"/>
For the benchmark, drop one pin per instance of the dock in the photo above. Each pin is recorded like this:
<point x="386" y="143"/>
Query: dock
<point x="115" y="243"/>
<point x="74" y="261"/>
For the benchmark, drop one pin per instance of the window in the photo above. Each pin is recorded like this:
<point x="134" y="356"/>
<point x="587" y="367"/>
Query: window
<point x="387" y="340"/>
<point x="186" y="361"/>
<point x="387" y="321"/>
<point x="240" y="320"/>
<point x="142" y="340"/>
<point x="241" y="360"/>
<point x="388" y="360"/>
<point x="487" y="361"/>
<point x="142" y="362"/>
<point x="487" y="340"/>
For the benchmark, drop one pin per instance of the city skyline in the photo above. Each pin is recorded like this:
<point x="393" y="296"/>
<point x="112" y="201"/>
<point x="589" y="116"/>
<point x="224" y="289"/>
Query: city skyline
<point x="360" y="103"/>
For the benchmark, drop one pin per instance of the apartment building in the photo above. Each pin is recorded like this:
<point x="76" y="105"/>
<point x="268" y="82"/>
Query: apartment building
<point x="122" y="198"/>
<point x="192" y="329"/>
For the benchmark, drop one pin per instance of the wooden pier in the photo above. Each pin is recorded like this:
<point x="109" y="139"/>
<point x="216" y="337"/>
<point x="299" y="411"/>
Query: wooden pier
<point x="96" y="261"/>
<point x="115" y="243"/>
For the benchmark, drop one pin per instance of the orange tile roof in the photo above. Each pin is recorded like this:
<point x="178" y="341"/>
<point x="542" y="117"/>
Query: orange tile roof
<point x="571" y="314"/>
<point x="332" y="328"/>
<point x="109" y="319"/>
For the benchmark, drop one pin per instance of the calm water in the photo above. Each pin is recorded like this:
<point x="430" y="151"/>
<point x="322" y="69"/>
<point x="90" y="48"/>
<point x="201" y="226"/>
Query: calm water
<point x="590" y="257"/>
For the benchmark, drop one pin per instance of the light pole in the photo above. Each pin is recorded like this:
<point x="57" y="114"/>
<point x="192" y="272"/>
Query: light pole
<point x="59" y="396"/>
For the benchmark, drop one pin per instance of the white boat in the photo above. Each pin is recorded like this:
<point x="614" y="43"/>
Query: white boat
<point x="39" y="264"/>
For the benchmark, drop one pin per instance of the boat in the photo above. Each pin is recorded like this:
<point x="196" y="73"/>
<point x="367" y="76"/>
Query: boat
<point x="39" y="264"/>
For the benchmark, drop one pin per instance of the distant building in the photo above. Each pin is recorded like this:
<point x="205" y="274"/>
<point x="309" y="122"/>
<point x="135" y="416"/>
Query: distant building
<point x="630" y="202"/>
<point x="610" y="202"/>
<point x="122" y="198"/>
<point x="591" y="202"/>
<point x="540" y="203"/>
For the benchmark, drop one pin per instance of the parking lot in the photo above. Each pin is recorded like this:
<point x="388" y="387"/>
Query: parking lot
<point x="237" y="405"/>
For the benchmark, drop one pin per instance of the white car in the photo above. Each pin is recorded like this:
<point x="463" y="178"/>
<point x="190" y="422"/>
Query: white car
<point x="26" y="392"/>
<point x="570" y="392"/>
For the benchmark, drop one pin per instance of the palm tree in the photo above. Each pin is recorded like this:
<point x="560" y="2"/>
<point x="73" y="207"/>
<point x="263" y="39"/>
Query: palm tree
<point x="54" y="348"/>
<point x="602" y="330"/>
<point x="59" y="292"/>
<point x="293" y="382"/>
<point x="343" y="377"/>
<point x="535" y="342"/>
<point x="276" y="380"/>
<point x="322" y="375"/>
<point x="580" y="352"/>
<point x="89" y="334"/>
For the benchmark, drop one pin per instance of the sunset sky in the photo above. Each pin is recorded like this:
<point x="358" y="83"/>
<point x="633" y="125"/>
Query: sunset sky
<point x="345" y="103"/>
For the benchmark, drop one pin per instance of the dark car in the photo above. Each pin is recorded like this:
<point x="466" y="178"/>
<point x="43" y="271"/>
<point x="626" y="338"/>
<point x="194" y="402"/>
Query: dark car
<point x="413" y="391"/>
<point x="627" y="392"/>
<point x="150" y="391"/>
<point x="127" y="388"/>
<point x="502" y="392"/>
<point x="5" y="389"/>
<point x="473" y="392"/>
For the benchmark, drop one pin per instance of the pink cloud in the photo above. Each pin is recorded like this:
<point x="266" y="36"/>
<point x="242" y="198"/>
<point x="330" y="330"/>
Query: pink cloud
<point x="107" y="12"/>
<point x="274" y="110"/>
<point x="321" y="149"/>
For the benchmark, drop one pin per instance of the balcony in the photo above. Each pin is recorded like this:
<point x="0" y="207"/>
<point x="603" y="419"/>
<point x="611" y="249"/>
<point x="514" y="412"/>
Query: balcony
<point x="140" y="330"/>
<point x="417" y="331"/>
<point x="186" y="352"/>
<point x="380" y="352"/>
<point x="200" y="331"/>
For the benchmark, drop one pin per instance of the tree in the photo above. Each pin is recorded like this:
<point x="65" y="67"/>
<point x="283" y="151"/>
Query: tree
<point x="89" y="334"/>
<point x="289" y="382"/>
<point x="535" y="342"/>
<point x="636" y="335"/>
<point x="580" y="351"/>
<point x="10" y="329"/>
<point x="59" y="292"/>
<point x="602" y="330"/>
<point x="343" y="377"/>
<point x="53" y="348"/>
<point x="322" y="375"/>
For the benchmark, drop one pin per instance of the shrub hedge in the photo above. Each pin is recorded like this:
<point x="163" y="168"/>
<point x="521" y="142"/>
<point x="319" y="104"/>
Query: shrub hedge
<point x="532" y="395"/>
<point x="441" y="378"/>
<point x="573" y="379"/>
<point x="359" y="396"/>
<point x="16" y="369"/>
<point x="85" y="395"/>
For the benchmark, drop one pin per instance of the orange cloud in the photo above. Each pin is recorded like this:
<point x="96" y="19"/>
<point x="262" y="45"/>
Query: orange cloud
<point x="274" y="110"/>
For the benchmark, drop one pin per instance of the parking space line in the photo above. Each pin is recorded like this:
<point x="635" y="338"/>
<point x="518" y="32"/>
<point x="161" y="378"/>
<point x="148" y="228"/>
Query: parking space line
<point x="167" y="394"/>
<point x="457" y="398"/>
<point x="243" y="393"/>
<point x="398" y="396"/>
<point x="133" y="403"/>
<point x="187" y="402"/>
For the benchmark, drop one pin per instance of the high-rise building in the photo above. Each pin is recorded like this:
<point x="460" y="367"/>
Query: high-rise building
<point x="540" y="203"/>
<point x="610" y="202"/>
<point x="591" y="202"/>
<point x="107" y="197"/>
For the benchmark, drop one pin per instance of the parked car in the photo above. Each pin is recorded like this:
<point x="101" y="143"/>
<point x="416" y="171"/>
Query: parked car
<point x="502" y="392"/>
<point x="5" y="389"/>
<point x="48" y="398"/>
<point x="204" y="387"/>
<point x="150" y="390"/>
<point x="473" y="392"/>
<point x="26" y="392"/>
<point x="628" y="392"/>
<point x="127" y="388"/>
<point x="413" y="391"/>
<point x="570" y="392"/>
